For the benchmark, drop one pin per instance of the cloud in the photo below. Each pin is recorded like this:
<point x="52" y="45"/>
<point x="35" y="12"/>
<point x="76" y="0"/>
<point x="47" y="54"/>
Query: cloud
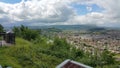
<point x="108" y="17"/>
<point x="90" y="18"/>
<point x="39" y="12"/>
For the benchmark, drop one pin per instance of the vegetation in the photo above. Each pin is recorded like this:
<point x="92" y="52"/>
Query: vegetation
<point x="48" y="53"/>
<point x="34" y="55"/>
<point x="26" y="33"/>
<point x="1" y="28"/>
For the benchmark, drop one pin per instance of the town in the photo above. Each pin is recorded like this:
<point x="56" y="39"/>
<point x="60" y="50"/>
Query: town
<point x="89" y="41"/>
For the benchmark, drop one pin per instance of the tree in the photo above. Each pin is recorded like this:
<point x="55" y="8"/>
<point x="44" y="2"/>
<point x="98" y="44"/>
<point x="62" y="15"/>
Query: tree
<point x="1" y="28"/>
<point x="17" y="31"/>
<point x="60" y="44"/>
<point x="26" y="33"/>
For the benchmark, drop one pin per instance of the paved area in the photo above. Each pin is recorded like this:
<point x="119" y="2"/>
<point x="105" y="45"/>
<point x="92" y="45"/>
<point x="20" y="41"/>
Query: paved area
<point x="2" y="43"/>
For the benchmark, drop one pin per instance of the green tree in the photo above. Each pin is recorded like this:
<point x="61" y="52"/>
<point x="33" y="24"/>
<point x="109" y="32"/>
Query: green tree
<point x="17" y="31"/>
<point x="60" y="44"/>
<point x="26" y="33"/>
<point x="1" y="28"/>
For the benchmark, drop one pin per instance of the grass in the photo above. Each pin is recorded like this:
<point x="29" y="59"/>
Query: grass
<point x="6" y="53"/>
<point x="25" y="54"/>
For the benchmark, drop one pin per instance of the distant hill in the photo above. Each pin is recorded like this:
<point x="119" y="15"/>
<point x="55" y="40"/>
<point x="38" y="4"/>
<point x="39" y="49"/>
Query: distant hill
<point x="69" y="27"/>
<point x="65" y="27"/>
<point x="52" y="29"/>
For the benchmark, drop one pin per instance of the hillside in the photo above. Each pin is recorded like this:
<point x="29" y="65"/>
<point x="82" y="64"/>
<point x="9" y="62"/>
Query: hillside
<point x="25" y="55"/>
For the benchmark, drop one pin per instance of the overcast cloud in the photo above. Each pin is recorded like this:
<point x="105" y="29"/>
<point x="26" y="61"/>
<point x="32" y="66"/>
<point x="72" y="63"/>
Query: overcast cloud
<point x="38" y="12"/>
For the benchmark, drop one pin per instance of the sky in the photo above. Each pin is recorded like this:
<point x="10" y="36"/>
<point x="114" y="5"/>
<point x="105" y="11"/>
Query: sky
<point x="60" y="12"/>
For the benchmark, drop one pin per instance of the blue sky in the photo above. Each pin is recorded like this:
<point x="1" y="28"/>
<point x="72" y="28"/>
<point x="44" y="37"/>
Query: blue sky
<point x="10" y="1"/>
<point x="82" y="9"/>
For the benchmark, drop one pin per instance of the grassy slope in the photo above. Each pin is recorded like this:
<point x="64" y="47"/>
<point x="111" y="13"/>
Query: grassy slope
<point x="26" y="55"/>
<point x="6" y="58"/>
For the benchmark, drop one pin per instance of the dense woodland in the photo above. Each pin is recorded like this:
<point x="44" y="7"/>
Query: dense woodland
<point x="33" y="50"/>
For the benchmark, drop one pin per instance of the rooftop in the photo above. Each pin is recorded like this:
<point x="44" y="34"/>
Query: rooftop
<point x="72" y="64"/>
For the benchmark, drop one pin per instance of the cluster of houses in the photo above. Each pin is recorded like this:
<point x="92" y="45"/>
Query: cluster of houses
<point x="110" y="41"/>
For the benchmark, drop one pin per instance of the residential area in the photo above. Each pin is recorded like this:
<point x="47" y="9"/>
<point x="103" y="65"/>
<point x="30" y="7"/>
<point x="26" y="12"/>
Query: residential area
<point x="109" y="40"/>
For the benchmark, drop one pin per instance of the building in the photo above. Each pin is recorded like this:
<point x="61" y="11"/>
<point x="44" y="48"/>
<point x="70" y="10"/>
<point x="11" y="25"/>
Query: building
<point x="72" y="64"/>
<point x="7" y="38"/>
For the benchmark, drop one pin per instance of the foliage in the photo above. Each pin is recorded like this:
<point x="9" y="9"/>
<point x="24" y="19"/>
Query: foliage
<point x="100" y="58"/>
<point x="107" y="57"/>
<point x="26" y="33"/>
<point x="1" y="28"/>
<point x="24" y="55"/>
